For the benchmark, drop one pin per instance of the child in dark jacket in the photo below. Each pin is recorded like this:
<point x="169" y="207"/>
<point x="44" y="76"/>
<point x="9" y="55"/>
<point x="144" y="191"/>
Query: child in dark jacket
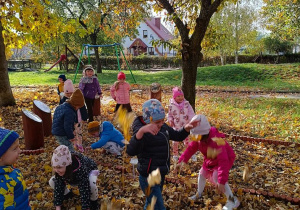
<point x="111" y="139"/>
<point x="89" y="85"/>
<point x="150" y="142"/>
<point x="218" y="159"/>
<point x="64" y="119"/>
<point x="81" y="115"/>
<point x="13" y="191"/>
<point x="74" y="169"/>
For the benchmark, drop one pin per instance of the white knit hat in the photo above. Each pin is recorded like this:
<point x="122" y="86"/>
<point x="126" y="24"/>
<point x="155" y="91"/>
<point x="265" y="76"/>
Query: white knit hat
<point x="203" y="127"/>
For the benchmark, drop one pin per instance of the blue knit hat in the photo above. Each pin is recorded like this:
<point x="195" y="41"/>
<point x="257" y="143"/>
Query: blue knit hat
<point x="7" y="138"/>
<point x="153" y="108"/>
<point x="63" y="77"/>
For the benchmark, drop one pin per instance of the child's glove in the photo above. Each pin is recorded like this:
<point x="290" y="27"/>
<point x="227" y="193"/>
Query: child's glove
<point x="97" y="96"/>
<point x="61" y="95"/>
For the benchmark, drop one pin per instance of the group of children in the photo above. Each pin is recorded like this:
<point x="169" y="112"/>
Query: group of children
<point x="150" y="143"/>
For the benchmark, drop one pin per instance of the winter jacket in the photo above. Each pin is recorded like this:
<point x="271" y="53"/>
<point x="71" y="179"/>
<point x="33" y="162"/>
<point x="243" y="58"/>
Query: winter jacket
<point x="13" y="191"/>
<point x="81" y="166"/>
<point x="63" y="120"/>
<point x="83" y="111"/>
<point x="180" y="114"/>
<point x="153" y="151"/>
<point x="90" y="90"/>
<point x="223" y="162"/>
<point x="60" y="88"/>
<point x="122" y="94"/>
<point x="109" y="133"/>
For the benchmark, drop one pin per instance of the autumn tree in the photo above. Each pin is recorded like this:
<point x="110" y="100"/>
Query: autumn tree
<point x="21" y="22"/>
<point x="93" y="18"/>
<point x="283" y="18"/>
<point x="191" y="19"/>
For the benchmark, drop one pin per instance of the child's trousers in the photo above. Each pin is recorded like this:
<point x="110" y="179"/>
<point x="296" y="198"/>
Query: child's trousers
<point x="93" y="180"/>
<point x="113" y="148"/>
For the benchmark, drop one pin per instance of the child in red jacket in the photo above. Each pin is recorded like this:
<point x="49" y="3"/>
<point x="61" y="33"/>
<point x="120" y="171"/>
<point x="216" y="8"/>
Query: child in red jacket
<point x="218" y="159"/>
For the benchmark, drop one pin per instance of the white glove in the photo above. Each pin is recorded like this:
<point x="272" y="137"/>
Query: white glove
<point x="97" y="96"/>
<point x="61" y="95"/>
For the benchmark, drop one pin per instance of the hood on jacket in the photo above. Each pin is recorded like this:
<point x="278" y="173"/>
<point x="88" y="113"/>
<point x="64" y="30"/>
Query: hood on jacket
<point x="107" y="127"/>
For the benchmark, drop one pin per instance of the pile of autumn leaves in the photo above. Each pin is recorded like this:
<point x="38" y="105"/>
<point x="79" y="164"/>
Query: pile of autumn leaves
<point x="271" y="168"/>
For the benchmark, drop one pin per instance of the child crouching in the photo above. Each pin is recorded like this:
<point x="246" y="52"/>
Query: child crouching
<point x="111" y="139"/>
<point x="74" y="169"/>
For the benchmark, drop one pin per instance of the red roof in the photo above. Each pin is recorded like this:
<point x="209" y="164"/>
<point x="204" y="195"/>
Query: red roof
<point x="161" y="31"/>
<point x="138" y="42"/>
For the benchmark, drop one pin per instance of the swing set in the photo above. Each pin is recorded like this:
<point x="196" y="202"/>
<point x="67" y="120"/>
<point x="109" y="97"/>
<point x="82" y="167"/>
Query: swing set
<point x="117" y="48"/>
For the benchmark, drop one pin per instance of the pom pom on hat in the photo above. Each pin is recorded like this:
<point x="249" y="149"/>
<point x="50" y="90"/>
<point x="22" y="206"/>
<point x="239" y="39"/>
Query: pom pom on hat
<point x="177" y="92"/>
<point x="61" y="156"/>
<point x="121" y="75"/>
<point x="63" y="77"/>
<point x="203" y="127"/>
<point x="7" y="138"/>
<point x="153" y="109"/>
<point x="77" y="99"/>
<point x="68" y="86"/>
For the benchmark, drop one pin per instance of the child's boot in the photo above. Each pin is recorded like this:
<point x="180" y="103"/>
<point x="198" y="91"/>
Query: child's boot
<point x="232" y="202"/>
<point x="195" y="197"/>
<point x="94" y="205"/>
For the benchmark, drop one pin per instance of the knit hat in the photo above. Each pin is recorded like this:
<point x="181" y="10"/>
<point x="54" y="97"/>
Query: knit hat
<point x="203" y="127"/>
<point x="121" y="75"/>
<point x="63" y="77"/>
<point x="94" y="126"/>
<point x="77" y="98"/>
<point x="153" y="109"/>
<point x="68" y="86"/>
<point x="177" y="92"/>
<point x="88" y="67"/>
<point x="61" y="156"/>
<point x="7" y="138"/>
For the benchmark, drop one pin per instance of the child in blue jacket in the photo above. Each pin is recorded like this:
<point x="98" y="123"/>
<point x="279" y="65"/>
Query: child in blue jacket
<point x="13" y="191"/>
<point x="110" y="138"/>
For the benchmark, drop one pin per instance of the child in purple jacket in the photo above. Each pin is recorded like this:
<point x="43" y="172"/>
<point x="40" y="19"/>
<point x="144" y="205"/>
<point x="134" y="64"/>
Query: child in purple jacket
<point x="218" y="159"/>
<point x="89" y="86"/>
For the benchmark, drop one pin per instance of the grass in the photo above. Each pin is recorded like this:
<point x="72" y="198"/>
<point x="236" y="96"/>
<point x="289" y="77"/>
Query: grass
<point x="283" y="77"/>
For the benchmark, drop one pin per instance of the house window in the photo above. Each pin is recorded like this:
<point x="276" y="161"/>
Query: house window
<point x="145" y="33"/>
<point x="151" y="50"/>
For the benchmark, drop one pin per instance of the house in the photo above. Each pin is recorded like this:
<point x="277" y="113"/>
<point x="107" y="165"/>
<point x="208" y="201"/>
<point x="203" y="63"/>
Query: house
<point x="150" y="29"/>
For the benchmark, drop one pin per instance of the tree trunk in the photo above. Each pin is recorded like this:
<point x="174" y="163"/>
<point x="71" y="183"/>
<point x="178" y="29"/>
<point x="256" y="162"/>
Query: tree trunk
<point x="190" y="60"/>
<point x="6" y="96"/>
<point x="94" y="42"/>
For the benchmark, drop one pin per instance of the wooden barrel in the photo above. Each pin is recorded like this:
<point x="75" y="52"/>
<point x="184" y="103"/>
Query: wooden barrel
<point x="44" y="112"/>
<point x="33" y="130"/>
<point x="155" y="91"/>
<point x="97" y="107"/>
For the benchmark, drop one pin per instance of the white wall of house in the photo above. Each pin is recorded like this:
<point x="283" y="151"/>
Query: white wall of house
<point x="146" y="34"/>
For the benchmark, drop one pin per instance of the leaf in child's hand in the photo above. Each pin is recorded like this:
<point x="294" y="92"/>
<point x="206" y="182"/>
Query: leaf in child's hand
<point x="212" y="153"/>
<point x="219" y="141"/>
<point x="195" y="137"/>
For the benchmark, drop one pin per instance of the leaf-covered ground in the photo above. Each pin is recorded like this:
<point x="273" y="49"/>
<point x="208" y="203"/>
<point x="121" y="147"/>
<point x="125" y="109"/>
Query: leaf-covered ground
<point x="274" y="168"/>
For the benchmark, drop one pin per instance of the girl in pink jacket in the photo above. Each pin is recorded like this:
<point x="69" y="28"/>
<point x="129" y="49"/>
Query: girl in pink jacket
<point x="218" y="159"/>
<point x="180" y="113"/>
<point x="120" y="92"/>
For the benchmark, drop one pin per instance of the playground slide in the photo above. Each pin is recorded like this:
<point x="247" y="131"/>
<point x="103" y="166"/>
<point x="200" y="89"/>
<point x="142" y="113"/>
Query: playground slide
<point x="62" y="57"/>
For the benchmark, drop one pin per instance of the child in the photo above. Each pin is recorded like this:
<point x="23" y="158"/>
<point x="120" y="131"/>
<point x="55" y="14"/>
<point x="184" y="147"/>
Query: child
<point x="150" y="142"/>
<point x="89" y="85"/>
<point x="74" y="169"/>
<point x="64" y="119"/>
<point x="60" y="88"/>
<point x="120" y="92"/>
<point x="110" y="138"/>
<point x="180" y="113"/>
<point x="216" y="164"/>
<point x="13" y="191"/>
<point x="81" y="115"/>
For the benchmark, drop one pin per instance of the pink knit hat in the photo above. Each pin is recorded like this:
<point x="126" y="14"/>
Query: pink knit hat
<point x="61" y="156"/>
<point x="68" y="86"/>
<point x="121" y="75"/>
<point x="177" y="92"/>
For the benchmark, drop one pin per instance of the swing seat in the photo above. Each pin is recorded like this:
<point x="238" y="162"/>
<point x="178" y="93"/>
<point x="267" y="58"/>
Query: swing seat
<point x="135" y="88"/>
